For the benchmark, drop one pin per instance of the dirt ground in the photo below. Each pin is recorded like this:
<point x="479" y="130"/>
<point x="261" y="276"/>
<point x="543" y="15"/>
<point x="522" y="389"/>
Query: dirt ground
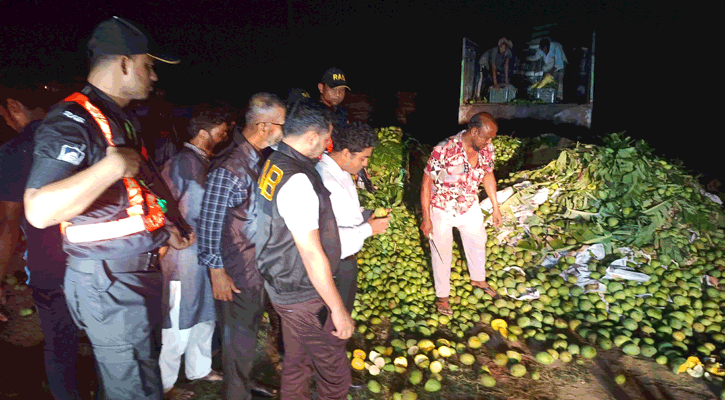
<point x="22" y="374"/>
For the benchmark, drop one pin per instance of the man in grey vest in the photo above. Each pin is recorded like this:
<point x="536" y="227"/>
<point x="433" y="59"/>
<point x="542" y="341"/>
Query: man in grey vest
<point x="226" y="241"/>
<point x="298" y="252"/>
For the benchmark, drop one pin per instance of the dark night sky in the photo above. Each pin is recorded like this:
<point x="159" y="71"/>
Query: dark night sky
<point x="232" y="49"/>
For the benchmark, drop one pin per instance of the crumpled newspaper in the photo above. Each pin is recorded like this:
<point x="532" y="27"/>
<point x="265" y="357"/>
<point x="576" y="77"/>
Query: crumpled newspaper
<point x="619" y="269"/>
<point x="530" y="294"/>
<point x="710" y="281"/>
<point x="526" y="203"/>
<point x="501" y="196"/>
<point x="580" y="269"/>
<point x="711" y="196"/>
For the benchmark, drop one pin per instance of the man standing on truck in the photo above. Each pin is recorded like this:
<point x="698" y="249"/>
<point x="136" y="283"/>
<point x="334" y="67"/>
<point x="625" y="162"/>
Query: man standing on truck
<point x="497" y="66"/>
<point x="554" y="63"/>
<point x="449" y="198"/>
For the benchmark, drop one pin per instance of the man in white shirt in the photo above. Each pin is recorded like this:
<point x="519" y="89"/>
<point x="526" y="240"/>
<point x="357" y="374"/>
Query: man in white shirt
<point x="554" y="62"/>
<point x="352" y="146"/>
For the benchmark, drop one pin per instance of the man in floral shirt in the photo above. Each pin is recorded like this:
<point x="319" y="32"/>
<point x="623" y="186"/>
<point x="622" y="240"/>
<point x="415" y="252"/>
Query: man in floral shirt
<point x="449" y="196"/>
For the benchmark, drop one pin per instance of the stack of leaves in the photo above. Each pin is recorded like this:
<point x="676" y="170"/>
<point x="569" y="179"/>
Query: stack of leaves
<point x="624" y="192"/>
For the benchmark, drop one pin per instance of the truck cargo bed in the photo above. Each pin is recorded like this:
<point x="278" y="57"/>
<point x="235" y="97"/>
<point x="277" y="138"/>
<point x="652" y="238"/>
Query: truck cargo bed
<point x="578" y="114"/>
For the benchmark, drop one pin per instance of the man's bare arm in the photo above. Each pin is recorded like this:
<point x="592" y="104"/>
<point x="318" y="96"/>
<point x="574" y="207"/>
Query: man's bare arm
<point x="68" y="198"/>
<point x="494" y="70"/>
<point x="425" y="191"/>
<point x="506" y="70"/>
<point x="489" y="185"/>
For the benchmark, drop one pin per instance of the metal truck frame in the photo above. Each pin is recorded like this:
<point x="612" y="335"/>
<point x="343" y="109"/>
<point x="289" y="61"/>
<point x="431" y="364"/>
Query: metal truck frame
<point x="567" y="113"/>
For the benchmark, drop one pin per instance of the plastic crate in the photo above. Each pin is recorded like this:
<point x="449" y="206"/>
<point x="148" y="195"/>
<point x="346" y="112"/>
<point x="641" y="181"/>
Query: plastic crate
<point x="547" y="95"/>
<point x="501" y="95"/>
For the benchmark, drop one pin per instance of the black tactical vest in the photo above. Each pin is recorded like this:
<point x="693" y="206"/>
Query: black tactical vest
<point x="278" y="259"/>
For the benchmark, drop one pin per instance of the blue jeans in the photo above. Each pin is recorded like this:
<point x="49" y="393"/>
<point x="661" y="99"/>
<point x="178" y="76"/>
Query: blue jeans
<point x="60" y="348"/>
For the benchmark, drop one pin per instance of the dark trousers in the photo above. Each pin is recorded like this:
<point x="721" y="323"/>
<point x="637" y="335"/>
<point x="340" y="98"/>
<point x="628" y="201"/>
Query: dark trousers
<point x="60" y="348"/>
<point x="310" y="346"/>
<point x="347" y="281"/>
<point x="121" y="313"/>
<point x="239" y="321"/>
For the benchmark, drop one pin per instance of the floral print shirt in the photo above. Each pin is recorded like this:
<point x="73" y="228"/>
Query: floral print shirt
<point x="455" y="181"/>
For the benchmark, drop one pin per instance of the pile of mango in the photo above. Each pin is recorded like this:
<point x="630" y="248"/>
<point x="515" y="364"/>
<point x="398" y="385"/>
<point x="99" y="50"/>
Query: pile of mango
<point x="618" y="195"/>
<point x="506" y="147"/>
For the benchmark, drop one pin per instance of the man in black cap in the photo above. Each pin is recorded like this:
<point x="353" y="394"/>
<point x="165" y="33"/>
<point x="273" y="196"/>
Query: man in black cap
<point x="90" y="175"/>
<point x="332" y="93"/>
<point x="295" y="95"/>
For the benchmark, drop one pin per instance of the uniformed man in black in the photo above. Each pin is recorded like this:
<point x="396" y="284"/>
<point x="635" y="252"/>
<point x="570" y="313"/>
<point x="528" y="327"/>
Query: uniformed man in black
<point x="90" y="176"/>
<point x="332" y="92"/>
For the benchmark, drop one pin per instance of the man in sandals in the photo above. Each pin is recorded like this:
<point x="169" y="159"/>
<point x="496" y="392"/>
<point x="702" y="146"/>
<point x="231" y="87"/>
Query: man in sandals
<point x="449" y="196"/>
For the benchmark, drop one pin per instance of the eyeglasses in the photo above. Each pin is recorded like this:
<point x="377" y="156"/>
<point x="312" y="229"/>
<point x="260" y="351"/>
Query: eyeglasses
<point x="271" y="123"/>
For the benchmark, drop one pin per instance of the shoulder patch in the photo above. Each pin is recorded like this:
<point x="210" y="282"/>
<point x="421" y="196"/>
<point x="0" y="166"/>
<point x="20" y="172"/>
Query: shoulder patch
<point x="268" y="180"/>
<point x="74" y="117"/>
<point x="72" y="154"/>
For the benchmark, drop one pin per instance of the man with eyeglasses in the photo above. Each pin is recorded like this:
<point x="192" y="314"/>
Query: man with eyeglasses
<point x="226" y="233"/>
<point x="449" y="198"/>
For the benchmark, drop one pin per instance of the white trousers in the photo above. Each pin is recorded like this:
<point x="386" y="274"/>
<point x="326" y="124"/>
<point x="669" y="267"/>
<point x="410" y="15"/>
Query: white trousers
<point x="193" y="343"/>
<point x="473" y="235"/>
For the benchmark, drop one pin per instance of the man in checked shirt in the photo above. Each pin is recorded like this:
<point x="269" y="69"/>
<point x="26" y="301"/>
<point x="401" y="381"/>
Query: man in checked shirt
<point x="226" y="241"/>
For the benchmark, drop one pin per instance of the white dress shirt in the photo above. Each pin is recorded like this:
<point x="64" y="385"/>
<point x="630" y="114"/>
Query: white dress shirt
<point x="346" y="206"/>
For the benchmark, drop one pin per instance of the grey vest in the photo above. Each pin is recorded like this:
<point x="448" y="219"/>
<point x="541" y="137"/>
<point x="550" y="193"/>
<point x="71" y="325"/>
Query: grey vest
<point x="240" y="227"/>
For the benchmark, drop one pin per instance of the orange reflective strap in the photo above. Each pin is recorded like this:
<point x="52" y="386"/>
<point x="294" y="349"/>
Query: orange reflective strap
<point x="97" y="115"/>
<point x="155" y="218"/>
<point x="63" y="225"/>
<point x="137" y="194"/>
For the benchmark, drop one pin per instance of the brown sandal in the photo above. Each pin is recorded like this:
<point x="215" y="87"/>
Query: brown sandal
<point x="443" y="306"/>
<point x="486" y="288"/>
<point x="177" y="393"/>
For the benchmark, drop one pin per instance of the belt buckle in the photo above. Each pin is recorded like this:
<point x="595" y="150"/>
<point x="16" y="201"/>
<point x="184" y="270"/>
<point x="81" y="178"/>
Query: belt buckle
<point x="149" y="261"/>
<point x="153" y="260"/>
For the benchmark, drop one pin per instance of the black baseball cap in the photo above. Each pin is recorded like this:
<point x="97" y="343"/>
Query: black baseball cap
<point x="118" y="36"/>
<point x="297" y="94"/>
<point x="334" y="77"/>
